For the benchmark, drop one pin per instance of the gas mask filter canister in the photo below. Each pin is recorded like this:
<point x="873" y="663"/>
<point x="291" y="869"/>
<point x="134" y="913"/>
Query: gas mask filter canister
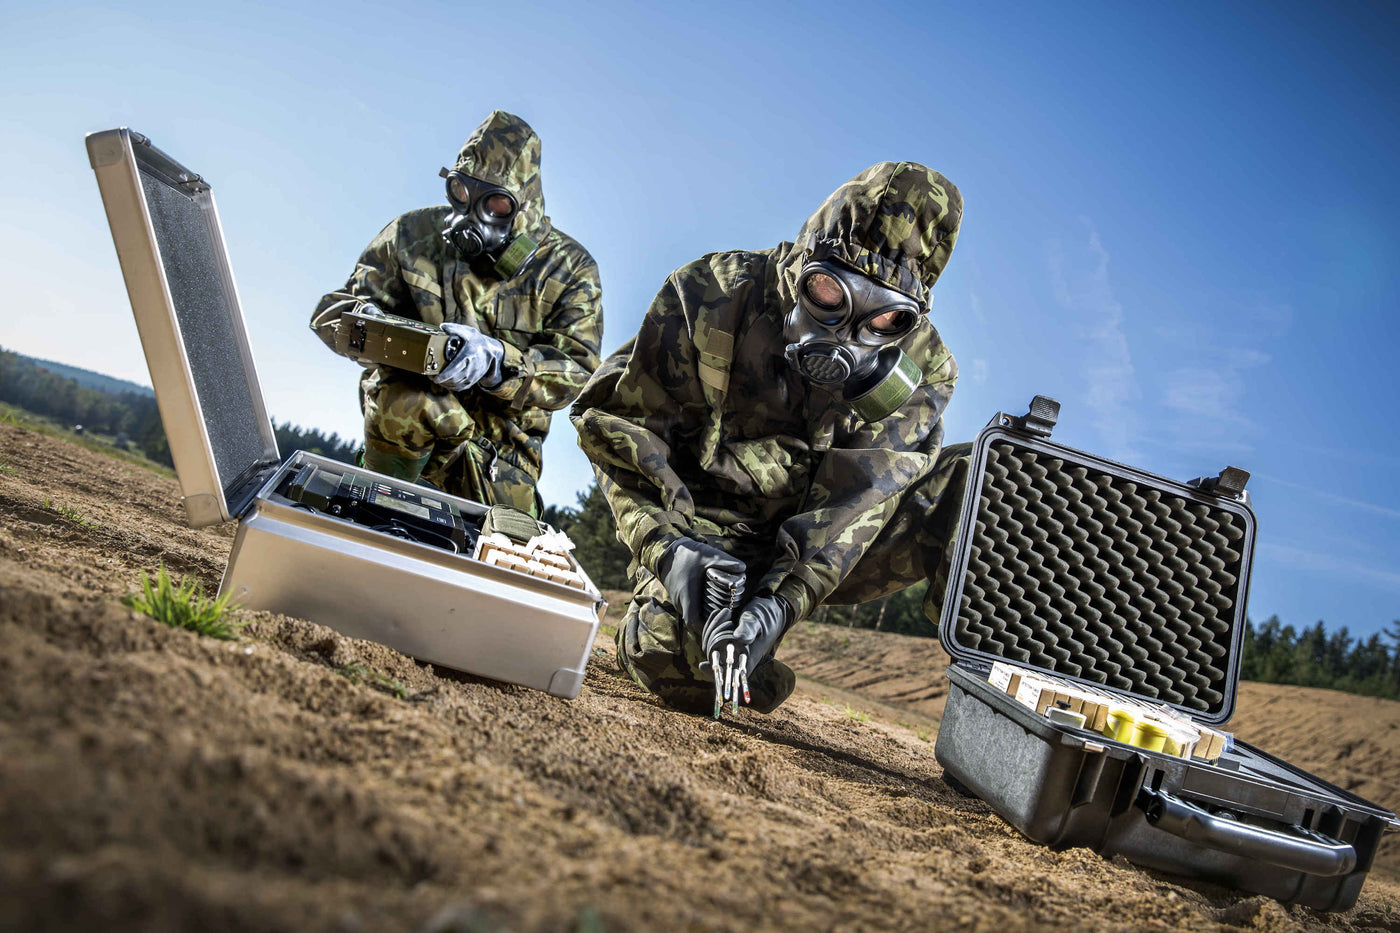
<point x="842" y="332"/>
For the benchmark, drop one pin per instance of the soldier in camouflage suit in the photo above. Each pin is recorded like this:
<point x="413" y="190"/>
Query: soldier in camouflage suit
<point x="547" y="317"/>
<point x="701" y="433"/>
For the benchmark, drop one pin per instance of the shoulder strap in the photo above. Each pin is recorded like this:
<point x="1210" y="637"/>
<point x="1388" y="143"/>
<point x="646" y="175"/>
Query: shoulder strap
<point x="715" y="331"/>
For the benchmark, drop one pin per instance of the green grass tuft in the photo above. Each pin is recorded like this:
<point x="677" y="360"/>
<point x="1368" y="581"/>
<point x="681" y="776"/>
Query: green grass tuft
<point x="5" y="467"/>
<point x="857" y="715"/>
<point x="184" y="606"/>
<point x="70" y="513"/>
<point x="357" y="672"/>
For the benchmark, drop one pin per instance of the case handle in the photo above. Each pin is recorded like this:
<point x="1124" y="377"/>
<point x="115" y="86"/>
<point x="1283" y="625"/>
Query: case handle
<point x="1318" y="855"/>
<point x="1039" y="421"/>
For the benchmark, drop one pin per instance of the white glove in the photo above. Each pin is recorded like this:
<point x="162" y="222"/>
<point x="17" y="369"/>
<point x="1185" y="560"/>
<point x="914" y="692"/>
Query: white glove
<point x="478" y="362"/>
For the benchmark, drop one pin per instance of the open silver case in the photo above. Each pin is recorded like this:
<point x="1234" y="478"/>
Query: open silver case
<point x="363" y="578"/>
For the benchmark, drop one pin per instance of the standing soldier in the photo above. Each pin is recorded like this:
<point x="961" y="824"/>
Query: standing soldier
<point x="771" y="439"/>
<point x="522" y="296"/>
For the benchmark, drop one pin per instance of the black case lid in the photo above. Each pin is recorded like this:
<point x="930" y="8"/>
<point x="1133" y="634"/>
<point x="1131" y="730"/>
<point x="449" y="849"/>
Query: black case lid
<point x="1099" y="573"/>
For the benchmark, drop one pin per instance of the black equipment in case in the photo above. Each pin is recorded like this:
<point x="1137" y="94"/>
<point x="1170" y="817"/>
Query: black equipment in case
<point x="1133" y="586"/>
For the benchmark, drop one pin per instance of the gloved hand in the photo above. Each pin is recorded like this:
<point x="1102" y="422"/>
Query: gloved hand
<point x="753" y="630"/>
<point x="700" y="579"/>
<point x="477" y="362"/>
<point x="735" y="643"/>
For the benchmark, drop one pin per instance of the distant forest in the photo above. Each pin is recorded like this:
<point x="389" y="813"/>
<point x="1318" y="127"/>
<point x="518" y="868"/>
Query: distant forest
<point x="128" y="419"/>
<point x="1272" y="653"/>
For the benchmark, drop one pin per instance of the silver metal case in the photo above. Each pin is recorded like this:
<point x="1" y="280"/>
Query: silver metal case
<point x="430" y="603"/>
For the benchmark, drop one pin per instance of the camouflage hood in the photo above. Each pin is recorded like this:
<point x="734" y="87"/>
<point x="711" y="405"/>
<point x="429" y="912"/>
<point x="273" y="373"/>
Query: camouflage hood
<point x="505" y="151"/>
<point x="895" y="222"/>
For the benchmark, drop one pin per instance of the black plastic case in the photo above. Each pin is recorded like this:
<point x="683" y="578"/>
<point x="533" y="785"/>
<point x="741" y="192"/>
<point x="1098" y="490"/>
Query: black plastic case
<point x="1134" y="585"/>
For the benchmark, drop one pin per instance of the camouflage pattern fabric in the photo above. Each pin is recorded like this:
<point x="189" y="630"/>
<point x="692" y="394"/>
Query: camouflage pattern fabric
<point x="405" y="418"/>
<point x="779" y="464"/>
<point x="548" y="315"/>
<point x="660" y="653"/>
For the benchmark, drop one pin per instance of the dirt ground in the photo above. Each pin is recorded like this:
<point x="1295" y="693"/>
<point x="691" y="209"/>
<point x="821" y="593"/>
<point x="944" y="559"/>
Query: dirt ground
<point x="151" y="779"/>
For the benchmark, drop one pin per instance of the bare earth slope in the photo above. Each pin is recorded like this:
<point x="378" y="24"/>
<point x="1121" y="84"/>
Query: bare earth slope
<point x="152" y="779"/>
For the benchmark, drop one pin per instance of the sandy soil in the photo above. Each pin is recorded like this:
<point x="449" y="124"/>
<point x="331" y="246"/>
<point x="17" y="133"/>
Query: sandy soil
<point x="151" y="779"/>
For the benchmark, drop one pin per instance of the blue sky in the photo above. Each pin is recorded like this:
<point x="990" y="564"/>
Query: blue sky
<point x="1179" y="217"/>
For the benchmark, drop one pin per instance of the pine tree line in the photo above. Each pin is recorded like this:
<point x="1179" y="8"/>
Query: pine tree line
<point x="291" y="438"/>
<point x="129" y="419"/>
<point x="1275" y="653"/>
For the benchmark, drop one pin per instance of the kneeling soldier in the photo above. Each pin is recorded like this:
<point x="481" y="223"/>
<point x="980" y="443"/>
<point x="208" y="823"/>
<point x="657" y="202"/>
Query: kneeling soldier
<point x="771" y="439"/>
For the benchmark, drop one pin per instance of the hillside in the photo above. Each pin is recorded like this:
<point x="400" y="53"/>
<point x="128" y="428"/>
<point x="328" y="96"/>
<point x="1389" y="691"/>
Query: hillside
<point x="151" y="779"/>
<point x="89" y="379"/>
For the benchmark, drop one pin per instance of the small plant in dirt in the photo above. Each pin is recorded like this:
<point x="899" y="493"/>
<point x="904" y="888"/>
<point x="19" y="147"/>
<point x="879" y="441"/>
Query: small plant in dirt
<point x="923" y="734"/>
<point x="357" y="672"/>
<point x="70" y="513"/>
<point x="853" y="713"/>
<point x="5" y="467"/>
<point x="589" y="921"/>
<point x="184" y="606"/>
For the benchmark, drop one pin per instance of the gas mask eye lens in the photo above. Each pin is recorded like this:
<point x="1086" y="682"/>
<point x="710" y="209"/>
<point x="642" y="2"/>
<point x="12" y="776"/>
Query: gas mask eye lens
<point x="893" y="323"/>
<point x="500" y="205"/>
<point x="456" y="191"/>
<point x="823" y="291"/>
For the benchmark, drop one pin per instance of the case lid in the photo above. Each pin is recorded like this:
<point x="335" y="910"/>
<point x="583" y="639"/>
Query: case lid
<point x="172" y="255"/>
<point x="1099" y="573"/>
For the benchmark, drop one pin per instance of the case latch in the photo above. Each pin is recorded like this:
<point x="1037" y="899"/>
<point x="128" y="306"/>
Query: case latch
<point x="1228" y="485"/>
<point x="1039" y="421"/>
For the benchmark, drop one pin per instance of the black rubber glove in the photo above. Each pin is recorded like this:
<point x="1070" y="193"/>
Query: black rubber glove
<point x="699" y="578"/>
<point x="753" y="631"/>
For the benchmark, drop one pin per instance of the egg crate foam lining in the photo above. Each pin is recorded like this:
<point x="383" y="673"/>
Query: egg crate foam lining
<point x="1101" y="578"/>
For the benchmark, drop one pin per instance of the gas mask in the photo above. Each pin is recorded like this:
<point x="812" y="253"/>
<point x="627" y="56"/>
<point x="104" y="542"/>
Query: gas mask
<point x="842" y="334"/>
<point x="480" y="222"/>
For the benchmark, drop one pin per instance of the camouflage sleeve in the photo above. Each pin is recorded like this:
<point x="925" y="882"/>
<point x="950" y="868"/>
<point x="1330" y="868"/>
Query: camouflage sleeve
<point x="376" y="278"/>
<point x="631" y="413"/>
<point x="552" y="371"/>
<point x="857" y="486"/>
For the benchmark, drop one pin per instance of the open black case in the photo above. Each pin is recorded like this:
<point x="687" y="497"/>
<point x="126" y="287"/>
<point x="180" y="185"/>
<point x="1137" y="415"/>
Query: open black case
<point x="1135" y="586"/>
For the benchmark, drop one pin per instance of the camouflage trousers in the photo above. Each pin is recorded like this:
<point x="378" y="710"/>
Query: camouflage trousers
<point x="661" y="654"/>
<point x="413" y="418"/>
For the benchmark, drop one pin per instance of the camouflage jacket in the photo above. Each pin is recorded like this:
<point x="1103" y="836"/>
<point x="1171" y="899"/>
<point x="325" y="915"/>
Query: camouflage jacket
<point x="548" y="315"/>
<point x="756" y="450"/>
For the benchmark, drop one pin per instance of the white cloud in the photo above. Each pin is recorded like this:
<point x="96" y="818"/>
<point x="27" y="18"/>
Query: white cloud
<point x="1358" y="504"/>
<point x="980" y="371"/>
<point x="1208" y="401"/>
<point x="1206" y="397"/>
<point x="1082" y="287"/>
<point x="974" y="301"/>
<point x="1326" y="563"/>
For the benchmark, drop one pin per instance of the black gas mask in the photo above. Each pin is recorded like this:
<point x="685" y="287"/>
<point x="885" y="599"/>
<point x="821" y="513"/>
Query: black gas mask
<point x="842" y="334"/>
<point x="480" y="222"/>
